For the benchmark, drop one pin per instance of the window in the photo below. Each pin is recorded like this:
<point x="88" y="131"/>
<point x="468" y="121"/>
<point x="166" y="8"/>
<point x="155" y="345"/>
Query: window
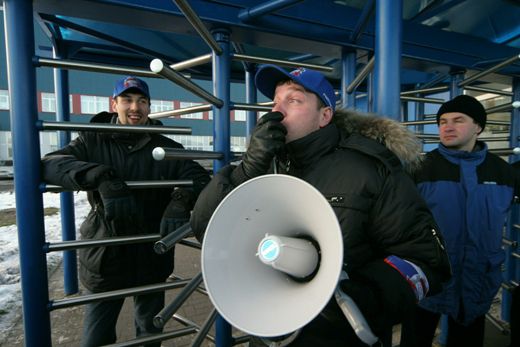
<point x="93" y="104"/>
<point x="4" y="100"/>
<point x="238" y="144"/>
<point x="160" y="106"/>
<point x="6" y="146"/>
<point x="199" y="143"/>
<point x="240" y="115"/>
<point x="49" y="102"/>
<point x="48" y="141"/>
<point x="196" y="115"/>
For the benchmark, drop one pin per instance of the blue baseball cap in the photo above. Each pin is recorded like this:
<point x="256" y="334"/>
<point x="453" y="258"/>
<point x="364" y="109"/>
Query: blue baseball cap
<point x="131" y="82"/>
<point x="268" y="76"/>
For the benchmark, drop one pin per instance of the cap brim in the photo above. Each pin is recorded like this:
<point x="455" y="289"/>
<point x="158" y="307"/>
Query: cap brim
<point x="135" y="90"/>
<point x="268" y="76"/>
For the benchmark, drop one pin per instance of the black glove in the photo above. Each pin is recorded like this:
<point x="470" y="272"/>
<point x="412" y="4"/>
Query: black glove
<point x="381" y="293"/>
<point x="267" y="139"/>
<point x="91" y="178"/>
<point x="177" y="213"/>
<point x="118" y="201"/>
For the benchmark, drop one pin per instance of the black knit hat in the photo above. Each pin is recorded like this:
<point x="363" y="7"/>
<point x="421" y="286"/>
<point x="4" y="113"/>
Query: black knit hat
<point x="465" y="104"/>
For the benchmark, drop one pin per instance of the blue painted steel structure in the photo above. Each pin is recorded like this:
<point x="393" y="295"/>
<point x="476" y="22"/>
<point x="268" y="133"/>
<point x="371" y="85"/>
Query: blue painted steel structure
<point x="387" y="77"/>
<point x="416" y="44"/>
<point x="29" y="202"/>
<point x="68" y="227"/>
<point x="221" y="69"/>
<point x="512" y="264"/>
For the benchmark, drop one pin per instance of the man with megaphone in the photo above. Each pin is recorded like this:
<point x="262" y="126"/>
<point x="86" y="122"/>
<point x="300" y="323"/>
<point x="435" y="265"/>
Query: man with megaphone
<point x="393" y="252"/>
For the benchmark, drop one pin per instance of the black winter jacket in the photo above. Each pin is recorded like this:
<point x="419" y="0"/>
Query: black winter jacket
<point x="130" y="156"/>
<point x="378" y="206"/>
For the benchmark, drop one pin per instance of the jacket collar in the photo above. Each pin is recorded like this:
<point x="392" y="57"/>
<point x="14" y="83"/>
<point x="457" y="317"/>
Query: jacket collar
<point x="305" y="151"/>
<point x="477" y="156"/>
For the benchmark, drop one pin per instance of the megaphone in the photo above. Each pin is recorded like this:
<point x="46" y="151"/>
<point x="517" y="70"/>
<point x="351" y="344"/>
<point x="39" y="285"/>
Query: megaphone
<point x="263" y="236"/>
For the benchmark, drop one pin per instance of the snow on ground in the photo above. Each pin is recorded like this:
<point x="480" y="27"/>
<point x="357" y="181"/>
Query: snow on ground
<point x="10" y="291"/>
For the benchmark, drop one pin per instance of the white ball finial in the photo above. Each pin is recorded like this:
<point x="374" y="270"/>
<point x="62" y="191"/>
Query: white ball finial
<point x="156" y="65"/>
<point x="158" y="153"/>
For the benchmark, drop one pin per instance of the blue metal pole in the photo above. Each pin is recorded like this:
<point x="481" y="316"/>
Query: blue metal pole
<point x="251" y="98"/>
<point x="456" y="77"/>
<point x="512" y="268"/>
<point x="221" y="87"/>
<point x="265" y="8"/>
<point x="455" y="90"/>
<point x="515" y="135"/>
<point x="68" y="228"/>
<point x="419" y="115"/>
<point x="348" y="61"/>
<point x="221" y="142"/>
<point x="370" y="92"/>
<point x="388" y="49"/>
<point x="18" y="19"/>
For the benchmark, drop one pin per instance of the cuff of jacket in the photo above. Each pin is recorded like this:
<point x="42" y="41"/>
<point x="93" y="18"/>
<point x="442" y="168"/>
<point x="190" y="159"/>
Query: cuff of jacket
<point x="238" y="176"/>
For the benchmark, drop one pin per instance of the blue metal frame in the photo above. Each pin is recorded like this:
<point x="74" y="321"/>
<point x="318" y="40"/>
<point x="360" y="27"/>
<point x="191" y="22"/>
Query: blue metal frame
<point x="455" y="90"/>
<point x="221" y="142"/>
<point x="18" y="18"/>
<point x="349" y="74"/>
<point x="68" y="227"/>
<point x="512" y="265"/>
<point x="251" y="98"/>
<point x="221" y="82"/>
<point x="387" y="76"/>
<point x="269" y="6"/>
<point x="392" y="36"/>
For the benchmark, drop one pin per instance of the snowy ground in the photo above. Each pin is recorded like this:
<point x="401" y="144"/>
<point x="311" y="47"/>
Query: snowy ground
<point x="10" y="292"/>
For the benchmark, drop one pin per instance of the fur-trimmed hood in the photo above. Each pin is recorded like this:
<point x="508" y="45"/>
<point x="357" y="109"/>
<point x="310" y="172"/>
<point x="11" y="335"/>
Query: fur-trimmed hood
<point x="392" y="134"/>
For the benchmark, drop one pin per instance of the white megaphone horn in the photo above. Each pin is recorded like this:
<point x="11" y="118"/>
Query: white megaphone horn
<point x="272" y="258"/>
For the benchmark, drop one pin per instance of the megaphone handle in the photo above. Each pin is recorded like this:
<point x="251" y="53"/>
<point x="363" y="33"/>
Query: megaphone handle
<point x="275" y="168"/>
<point x="355" y="317"/>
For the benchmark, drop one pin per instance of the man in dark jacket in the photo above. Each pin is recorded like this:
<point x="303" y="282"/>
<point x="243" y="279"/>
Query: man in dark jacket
<point x="393" y="253"/>
<point x="470" y="192"/>
<point x="100" y="163"/>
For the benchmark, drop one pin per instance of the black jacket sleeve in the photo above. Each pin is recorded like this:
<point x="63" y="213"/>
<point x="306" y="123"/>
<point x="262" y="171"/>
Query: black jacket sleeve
<point x="69" y="167"/>
<point x="217" y="189"/>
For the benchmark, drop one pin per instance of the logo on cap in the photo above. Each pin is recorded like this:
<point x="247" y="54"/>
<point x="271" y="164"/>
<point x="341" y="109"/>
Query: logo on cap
<point x="131" y="82"/>
<point x="298" y="72"/>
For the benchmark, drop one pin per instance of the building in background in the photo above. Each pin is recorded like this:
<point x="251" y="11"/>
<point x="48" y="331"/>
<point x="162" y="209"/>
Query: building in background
<point x="91" y="92"/>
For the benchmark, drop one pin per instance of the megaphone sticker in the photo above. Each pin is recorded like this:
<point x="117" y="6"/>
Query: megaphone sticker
<point x="269" y="250"/>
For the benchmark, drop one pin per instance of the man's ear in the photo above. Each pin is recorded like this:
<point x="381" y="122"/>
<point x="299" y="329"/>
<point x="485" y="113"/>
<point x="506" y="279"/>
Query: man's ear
<point x="479" y="128"/>
<point x="325" y="116"/>
<point x="114" y="104"/>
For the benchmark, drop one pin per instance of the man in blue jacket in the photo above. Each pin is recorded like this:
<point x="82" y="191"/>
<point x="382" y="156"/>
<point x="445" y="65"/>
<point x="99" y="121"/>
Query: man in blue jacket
<point x="469" y="191"/>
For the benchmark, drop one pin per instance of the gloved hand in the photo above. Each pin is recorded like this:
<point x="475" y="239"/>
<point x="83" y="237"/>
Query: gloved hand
<point x="381" y="293"/>
<point x="413" y="274"/>
<point x="118" y="201"/>
<point x="91" y="179"/>
<point x="177" y="213"/>
<point x="267" y="139"/>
